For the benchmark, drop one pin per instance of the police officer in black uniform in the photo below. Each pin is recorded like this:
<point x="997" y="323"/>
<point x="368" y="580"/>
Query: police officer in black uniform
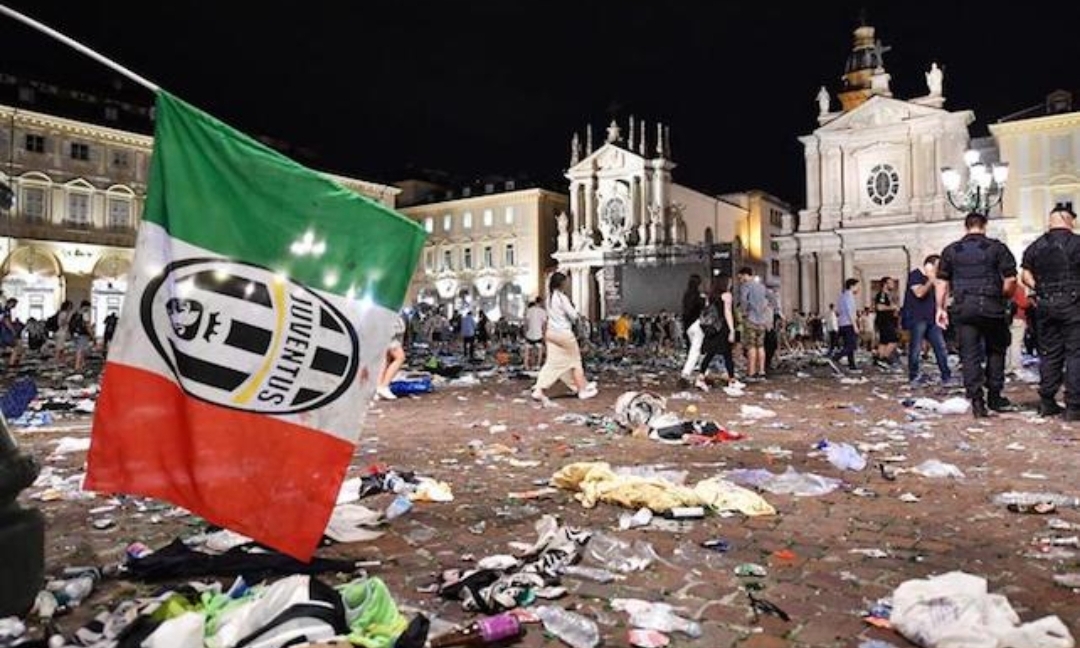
<point x="980" y="272"/>
<point x="1051" y="265"/>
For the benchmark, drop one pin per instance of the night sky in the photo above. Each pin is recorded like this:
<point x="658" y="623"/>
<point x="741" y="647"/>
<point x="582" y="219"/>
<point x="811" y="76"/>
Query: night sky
<point x="478" y="88"/>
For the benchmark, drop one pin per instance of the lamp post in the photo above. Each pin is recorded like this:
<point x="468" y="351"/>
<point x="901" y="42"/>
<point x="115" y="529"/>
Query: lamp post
<point x="985" y="184"/>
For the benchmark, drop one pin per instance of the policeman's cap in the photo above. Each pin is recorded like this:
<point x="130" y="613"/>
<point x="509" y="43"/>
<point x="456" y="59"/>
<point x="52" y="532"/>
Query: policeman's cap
<point x="1064" y="208"/>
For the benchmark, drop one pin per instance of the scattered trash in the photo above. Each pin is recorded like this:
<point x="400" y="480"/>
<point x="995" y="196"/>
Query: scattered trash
<point x="590" y="573"/>
<point x="754" y="412"/>
<point x="909" y="498"/>
<point x="647" y="638"/>
<point x="789" y="482"/>
<point x="1029" y="499"/>
<point x="844" y="456"/>
<point x="937" y="469"/>
<point x="639" y="519"/>
<point x="1071" y="581"/>
<point x="751" y="570"/>
<point x="870" y="553"/>
<point x="619" y="555"/>
<point x="571" y="628"/>
<point x="656" y="616"/>
<point x="954" y="405"/>
<point x="955" y="609"/>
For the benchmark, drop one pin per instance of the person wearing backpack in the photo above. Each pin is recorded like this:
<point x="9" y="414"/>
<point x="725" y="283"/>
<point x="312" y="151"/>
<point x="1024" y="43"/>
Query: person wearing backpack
<point x="79" y="330"/>
<point x="718" y="322"/>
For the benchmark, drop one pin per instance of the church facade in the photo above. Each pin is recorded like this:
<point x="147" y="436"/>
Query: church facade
<point x="633" y="236"/>
<point x="875" y="203"/>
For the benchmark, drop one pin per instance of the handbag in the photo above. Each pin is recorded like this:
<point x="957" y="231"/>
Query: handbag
<point x="710" y="321"/>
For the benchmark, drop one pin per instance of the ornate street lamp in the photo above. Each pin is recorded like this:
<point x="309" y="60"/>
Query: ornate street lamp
<point x="985" y="185"/>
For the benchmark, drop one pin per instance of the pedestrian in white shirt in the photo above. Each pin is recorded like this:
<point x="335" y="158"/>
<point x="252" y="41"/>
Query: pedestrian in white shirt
<point x="563" y="360"/>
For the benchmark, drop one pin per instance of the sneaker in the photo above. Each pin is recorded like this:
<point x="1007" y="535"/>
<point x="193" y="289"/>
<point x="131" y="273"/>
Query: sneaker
<point x="589" y="391"/>
<point x="701" y="384"/>
<point x="538" y="395"/>
<point x="736" y="383"/>
<point x="385" y="394"/>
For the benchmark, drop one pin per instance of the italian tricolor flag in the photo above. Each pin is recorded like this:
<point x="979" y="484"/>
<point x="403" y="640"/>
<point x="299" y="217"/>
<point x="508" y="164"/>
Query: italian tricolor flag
<point x="261" y="302"/>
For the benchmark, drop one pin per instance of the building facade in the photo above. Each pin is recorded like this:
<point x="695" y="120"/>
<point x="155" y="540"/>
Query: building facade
<point x="78" y="190"/>
<point x="633" y="236"/>
<point x="489" y="251"/>
<point x="875" y="203"/>
<point x="1042" y="147"/>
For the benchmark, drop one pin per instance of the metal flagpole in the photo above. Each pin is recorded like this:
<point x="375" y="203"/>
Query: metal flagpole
<point x="79" y="47"/>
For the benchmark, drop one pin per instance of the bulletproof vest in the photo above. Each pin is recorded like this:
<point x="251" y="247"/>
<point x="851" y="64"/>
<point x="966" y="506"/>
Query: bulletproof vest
<point x="1057" y="264"/>
<point x="974" y="270"/>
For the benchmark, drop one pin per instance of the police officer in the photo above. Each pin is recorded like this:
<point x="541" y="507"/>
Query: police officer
<point x="1051" y="266"/>
<point x="980" y="272"/>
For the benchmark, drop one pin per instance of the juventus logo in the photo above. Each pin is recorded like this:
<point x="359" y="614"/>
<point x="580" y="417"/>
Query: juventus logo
<point x="237" y="335"/>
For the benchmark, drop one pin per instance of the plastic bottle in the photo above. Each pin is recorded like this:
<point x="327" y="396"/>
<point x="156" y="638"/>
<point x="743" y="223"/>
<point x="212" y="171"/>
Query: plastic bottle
<point x="571" y="628"/>
<point x="400" y="506"/>
<point x="684" y="513"/>
<point x="590" y="573"/>
<point x="1031" y="499"/>
<point x="482" y="632"/>
<point x="71" y="592"/>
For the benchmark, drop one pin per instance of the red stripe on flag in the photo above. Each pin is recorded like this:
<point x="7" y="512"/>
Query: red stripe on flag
<point x="274" y="481"/>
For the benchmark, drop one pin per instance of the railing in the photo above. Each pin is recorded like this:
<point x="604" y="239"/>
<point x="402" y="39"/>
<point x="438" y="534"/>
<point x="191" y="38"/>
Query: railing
<point x="72" y="232"/>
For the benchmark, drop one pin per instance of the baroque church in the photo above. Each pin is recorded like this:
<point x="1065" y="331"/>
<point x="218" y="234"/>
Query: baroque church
<point x="875" y="203"/>
<point x="633" y="236"/>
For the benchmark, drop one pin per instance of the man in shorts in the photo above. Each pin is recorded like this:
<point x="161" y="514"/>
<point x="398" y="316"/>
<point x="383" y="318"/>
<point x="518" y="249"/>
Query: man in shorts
<point x="757" y="316"/>
<point x="535" y="320"/>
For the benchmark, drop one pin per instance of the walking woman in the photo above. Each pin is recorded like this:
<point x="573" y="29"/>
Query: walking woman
<point x="720" y="338"/>
<point x="693" y="303"/>
<point x="563" y="361"/>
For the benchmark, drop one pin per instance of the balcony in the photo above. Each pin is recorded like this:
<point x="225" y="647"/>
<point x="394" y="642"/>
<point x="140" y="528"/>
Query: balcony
<point x="24" y="228"/>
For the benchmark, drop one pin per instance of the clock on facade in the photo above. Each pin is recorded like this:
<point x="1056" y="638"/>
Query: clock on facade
<point x="883" y="184"/>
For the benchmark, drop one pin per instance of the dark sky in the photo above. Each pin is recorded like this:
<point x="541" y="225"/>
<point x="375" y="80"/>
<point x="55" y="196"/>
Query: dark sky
<point x="475" y="87"/>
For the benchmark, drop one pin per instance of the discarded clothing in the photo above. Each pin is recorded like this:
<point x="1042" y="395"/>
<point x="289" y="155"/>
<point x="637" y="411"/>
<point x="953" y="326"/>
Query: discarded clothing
<point x="371" y="613"/>
<point x="955" y="610"/>
<point x="177" y="560"/>
<point x="533" y="573"/>
<point x="597" y="482"/>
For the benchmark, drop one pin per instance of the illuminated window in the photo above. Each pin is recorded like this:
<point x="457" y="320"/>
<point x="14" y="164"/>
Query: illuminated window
<point x="78" y="209"/>
<point x="509" y="215"/>
<point x="447" y="222"/>
<point x="489" y="218"/>
<point x="33" y="203"/>
<point x="119" y="213"/>
<point x="466" y="220"/>
<point x="489" y="256"/>
<point x="429" y="224"/>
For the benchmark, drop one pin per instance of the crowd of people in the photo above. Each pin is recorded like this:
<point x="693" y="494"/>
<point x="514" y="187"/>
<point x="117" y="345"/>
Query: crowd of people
<point x="970" y="298"/>
<point x="67" y="333"/>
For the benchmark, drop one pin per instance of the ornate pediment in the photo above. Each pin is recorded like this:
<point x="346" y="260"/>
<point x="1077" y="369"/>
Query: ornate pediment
<point x="609" y="157"/>
<point x="879" y="111"/>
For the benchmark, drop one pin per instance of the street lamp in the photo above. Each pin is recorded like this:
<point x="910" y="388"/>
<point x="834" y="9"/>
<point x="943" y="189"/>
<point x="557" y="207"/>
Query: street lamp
<point x="985" y="185"/>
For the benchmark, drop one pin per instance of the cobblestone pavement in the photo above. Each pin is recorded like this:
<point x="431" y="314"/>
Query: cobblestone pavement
<point x="807" y="548"/>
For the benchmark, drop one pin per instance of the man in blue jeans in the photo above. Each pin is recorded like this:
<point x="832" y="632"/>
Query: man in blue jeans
<point x="919" y="312"/>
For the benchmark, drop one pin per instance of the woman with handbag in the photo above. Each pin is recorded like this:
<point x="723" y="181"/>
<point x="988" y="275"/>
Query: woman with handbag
<point x="719" y="326"/>
<point x="563" y="361"/>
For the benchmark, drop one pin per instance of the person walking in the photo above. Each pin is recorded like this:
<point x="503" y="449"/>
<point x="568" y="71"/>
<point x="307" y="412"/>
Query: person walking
<point x="885" y="323"/>
<point x="720" y="335"/>
<point x="468" y="336"/>
<point x="693" y="303"/>
<point x="847" y="319"/>
<point x="919" y="315"/>
<point x="980" y="274"/>
<point x="1051" y="266"/>
<point x="832" y="329"/>
<point x="563" y="361"/>
<point x="535" y="321"/>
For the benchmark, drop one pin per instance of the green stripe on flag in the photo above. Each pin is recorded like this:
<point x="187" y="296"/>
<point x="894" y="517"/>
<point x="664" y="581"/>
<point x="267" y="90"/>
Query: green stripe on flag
<point x="214" y="187"/>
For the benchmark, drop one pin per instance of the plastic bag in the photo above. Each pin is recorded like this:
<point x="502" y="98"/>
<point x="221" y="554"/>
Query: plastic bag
<point x="844" y="456"/>
<point x="935" y="469"/>
<point x="656" y="616"/>
<point x="619" y="555"/>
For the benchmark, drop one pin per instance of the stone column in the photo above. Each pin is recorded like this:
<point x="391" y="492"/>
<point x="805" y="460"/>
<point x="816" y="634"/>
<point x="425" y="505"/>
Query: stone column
<point x="660" y="198"/>
<point x="807" y="287"/>
<point x="575" y="206"/>
<point x="813" y="176"/>
<point x="634" y="211"/>
<point x="590" y="205"/>
<point x="831" y="273"/>
<point x="643" y="209"/>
